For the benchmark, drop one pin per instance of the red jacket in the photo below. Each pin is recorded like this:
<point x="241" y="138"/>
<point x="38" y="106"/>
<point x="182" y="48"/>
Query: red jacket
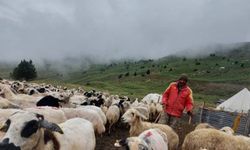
<point x="175" y="103"/>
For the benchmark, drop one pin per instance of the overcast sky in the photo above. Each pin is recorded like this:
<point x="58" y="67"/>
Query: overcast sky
<point x="113" y="29"/>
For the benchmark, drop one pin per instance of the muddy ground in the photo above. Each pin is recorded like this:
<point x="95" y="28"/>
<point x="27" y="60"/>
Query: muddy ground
<point x="106" y="142"/>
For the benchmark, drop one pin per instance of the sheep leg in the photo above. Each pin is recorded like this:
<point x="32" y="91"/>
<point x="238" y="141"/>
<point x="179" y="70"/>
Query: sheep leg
<point x="110" y="125"/>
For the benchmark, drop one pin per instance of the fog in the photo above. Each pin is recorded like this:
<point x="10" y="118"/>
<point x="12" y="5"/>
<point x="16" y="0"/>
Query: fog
<point x="105" y="30"/>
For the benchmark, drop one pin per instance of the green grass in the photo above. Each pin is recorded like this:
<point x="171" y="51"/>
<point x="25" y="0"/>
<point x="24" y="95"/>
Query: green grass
<point x="208" y="79"/>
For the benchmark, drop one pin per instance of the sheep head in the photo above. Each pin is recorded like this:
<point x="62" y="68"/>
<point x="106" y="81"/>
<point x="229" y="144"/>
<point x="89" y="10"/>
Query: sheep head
<point x="132" y="143"/>
<point x="227" y="130"/>
<point x="24" y="130"/>
<point x="133" y="115"/>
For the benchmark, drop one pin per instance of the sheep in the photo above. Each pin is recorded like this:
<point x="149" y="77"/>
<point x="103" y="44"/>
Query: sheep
<point x="22" y="100"/>
<point x="98" y="110"/>
<point x="115" y="111"/>
<point x="152" y="139"/>
<point x="203" y="126"/>
<point x="152" y="97"/>
<point x="30" y="131"/>
<point x="113" y="115"/>
<point x="77" y="99"/>
<point x="214" y="139"/>
<point x="87" y="114"/>
<point x="227" y="130"/>
<point x="104" y="109"/>
<point x="4" y="103"/>
<point x="152" y="111"/>
<point x="137" y="126"/>
<point x="4" y="115"/>
<point x="49" y="101"/>
<point x="51" y="114"/>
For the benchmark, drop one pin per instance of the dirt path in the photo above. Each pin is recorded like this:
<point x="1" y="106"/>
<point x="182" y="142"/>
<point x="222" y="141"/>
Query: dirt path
<point x="106" y="142"/>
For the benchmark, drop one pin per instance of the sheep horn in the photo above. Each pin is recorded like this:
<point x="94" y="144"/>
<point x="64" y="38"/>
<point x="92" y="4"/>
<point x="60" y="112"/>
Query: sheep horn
<point x="50" y="126"/>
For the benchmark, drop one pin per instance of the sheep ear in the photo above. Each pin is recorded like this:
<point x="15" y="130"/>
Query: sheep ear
<point x="140" y="115"/>
<point x="50" y="126"/>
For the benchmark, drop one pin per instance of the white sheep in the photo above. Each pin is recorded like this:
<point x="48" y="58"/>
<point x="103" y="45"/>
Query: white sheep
<point x="137" y="126"/>
<point x="214" y="139"/>
<point x="113" y="115"/>
<point x="4" y="103"/>
<point x="29" y="131"/>
<point x="152" y="139"/>
<point x="98" y="110"/>
<point x="51" y="114"/>
<point x="22" y="100"/>
<point x="87" y="114"/>
<point x="227" y="130"/>
<point x="4" y="115"/>
<point x="152" y="98"/>
<point x="204" y="126"/>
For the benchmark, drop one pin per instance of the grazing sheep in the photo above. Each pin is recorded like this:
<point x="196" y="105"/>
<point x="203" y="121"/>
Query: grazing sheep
<point x="137" y="126"/>
<point x="29" y="131"/>
<point x="213" y="139"/>
<point x="152" y="139"/>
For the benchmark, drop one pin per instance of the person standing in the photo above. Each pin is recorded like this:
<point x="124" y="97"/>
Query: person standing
<point x="177" y="97"/>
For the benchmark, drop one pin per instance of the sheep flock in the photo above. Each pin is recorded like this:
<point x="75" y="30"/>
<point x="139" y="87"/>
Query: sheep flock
<point x="47" y="117"/>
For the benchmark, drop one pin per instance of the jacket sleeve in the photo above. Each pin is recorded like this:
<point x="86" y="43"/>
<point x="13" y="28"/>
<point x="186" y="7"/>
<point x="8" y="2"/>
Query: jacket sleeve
<point x="189" y="102"/>
<point x="165" y="95"/>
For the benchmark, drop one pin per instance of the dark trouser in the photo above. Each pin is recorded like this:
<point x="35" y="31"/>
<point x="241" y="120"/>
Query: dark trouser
<point x="169" y="120"/>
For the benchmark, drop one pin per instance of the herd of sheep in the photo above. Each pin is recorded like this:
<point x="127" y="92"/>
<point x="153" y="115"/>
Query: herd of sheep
<point x="41" y="116"/>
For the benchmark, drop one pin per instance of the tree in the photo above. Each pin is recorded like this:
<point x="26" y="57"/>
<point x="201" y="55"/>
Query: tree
<point x="120" y="76"/>
<point x="127" y="74"/>
<point x="24" y="71"/>
<point x="148" y="72"/>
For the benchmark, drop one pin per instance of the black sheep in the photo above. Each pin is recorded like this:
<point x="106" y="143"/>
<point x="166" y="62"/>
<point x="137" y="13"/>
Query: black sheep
<point x="49" y="101"/>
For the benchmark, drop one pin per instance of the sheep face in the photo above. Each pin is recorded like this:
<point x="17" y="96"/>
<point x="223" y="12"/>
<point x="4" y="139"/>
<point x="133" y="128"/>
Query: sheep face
<point x="23" y="131"/>
<point x="227" y="130"/>
<point x="132" y="143"/>
<point x="132" y="115"/>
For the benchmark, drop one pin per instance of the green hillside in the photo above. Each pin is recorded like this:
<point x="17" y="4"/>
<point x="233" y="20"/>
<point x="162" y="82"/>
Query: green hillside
<point x="216" y="76"/>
